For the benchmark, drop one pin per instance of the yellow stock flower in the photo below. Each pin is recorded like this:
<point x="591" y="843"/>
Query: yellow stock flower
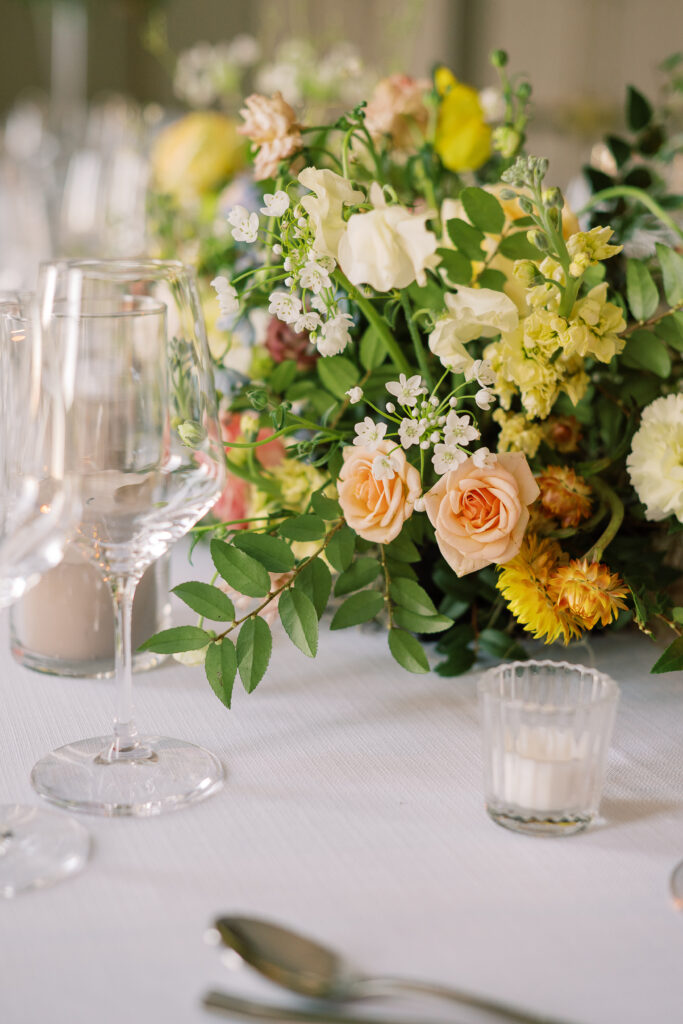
<point x="463" y="138"/>
<point x="517" y="433"/>
<point x="196" y="154"/>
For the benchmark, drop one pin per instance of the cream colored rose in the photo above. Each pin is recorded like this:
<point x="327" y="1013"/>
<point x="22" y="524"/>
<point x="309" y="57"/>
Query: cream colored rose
<point x="472" y="313"/>
<point x="387" y="247"/>
<point x="326" y="206"/>
<point x="480" y="515"/>
<point x="377" y="509"/>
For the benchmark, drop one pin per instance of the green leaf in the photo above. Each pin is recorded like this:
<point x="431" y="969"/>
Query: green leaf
<point x="421" y="623"/>
<point x="240" y="570"/>
<point x="315" y="581"/>
<point x="403" y="550"/>
<point x="641" y="291"/>
<point x="274" y="554"/>
<point x="340" y="549"/>
<point x="483" y="209"/>
<point x="358" y="575"/>
<point x="645" y="351"/>
<point x="500" y="645"/>
<point x="358" y="608"/>
<point x="411" y="595"/>
<point x="221" y="667"/>
<point x="407" y="651"/>
<point x="677" y="614"/>
<point x="466" y="238"/>
<point x="518" y="247"/>
<point x="671" y="263"/>
<point x="254" y="646"/>
<point x="206" y="600"/>
<point x="670" y="329"/>
<point x="638" y="109"/>
<point x="180" y="638"/>
<point x="304" y="528"/>
<point x="493" y="279"/>
<point x="337" y="374"/>
<point x="400" y="570"/>
<point x="619" y="149"/>
<point x="282" y="376"/>
<point x="672" y="659"/>
<point x="326" y="507"/>
<point x="300" y="620"/>
<point x="373" y="351"/>
<point x="456" y="265"/>
<point x="459" y="660"/>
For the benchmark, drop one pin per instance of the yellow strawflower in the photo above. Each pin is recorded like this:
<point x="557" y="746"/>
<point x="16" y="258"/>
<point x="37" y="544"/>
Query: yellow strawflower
<point x="463" y="138"/>
<point x="524" y="581"/>
<point x="589" y="591"/>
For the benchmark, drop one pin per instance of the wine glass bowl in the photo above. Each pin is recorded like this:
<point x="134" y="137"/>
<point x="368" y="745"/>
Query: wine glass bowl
<point x="144" y="445"/>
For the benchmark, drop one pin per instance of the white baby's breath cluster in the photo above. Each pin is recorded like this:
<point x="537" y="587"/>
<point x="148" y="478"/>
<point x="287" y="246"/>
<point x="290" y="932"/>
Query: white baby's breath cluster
<point x="208" y="72"/>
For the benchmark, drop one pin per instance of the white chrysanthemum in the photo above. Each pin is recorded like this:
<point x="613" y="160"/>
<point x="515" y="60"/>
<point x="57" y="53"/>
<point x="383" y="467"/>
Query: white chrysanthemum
<point x="655" y="463"/>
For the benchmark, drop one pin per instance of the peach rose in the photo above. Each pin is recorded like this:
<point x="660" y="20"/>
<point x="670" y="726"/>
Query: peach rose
<point x="377" y="509"/>
<point x="480" y="515"/>
<point x="270" y="123"/>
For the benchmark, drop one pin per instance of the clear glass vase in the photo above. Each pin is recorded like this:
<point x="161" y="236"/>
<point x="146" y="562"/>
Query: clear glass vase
<point x="64" y="626"/>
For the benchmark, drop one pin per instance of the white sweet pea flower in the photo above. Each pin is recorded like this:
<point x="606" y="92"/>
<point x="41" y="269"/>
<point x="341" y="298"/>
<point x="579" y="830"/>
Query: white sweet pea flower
<point x="276" y="203"/>
<point x="483" y="458"/>
<point x="314" y="277"/>
<point x="410" y="432"/>
<point x="228" y="300"/>
<point x="334" y="335"/>
<point x="459" y="429"/>
<point x="472" y="313"/>
<point x="482" y="370"/>
<point x="369" y="434"/>
<point x="484" y="398"/>
<point x="384" y="467"/>
<point x="446" y="457"/>
<point x="245" y="224"/>
<point x="307" y="322"/>
<point x="406" y="390"/>
<point x="387" y="247"/>
<point x="285" y="307"/>
<point x="355" y="395"/>
<point x="325" y="206"/>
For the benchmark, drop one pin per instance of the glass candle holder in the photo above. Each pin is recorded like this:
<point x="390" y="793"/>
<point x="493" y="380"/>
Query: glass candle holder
<point x="547" y="726"/>
<point x="64" y="626"/>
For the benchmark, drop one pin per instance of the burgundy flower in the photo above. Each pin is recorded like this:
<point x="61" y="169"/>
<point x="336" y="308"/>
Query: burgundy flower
<point x="284" y="343"/>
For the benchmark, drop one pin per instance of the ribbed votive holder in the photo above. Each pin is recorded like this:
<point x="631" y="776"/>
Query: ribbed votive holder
<point x="546" y="728"/>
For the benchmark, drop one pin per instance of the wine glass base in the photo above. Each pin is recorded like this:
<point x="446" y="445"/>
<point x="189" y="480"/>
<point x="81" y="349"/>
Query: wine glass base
<point x="38" y="848"/>
<point x="168" y="774"/>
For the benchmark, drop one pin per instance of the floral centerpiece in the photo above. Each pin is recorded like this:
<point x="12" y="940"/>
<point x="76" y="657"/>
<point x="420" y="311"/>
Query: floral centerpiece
<point x="466" y="418"/>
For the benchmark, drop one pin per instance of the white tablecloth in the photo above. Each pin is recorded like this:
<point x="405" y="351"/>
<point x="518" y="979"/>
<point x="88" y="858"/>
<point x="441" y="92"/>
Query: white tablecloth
<point x="353" y="810"/>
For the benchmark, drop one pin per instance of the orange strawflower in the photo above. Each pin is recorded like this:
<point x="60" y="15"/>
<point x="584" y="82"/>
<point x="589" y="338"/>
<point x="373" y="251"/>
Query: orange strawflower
<point x="564" y="495"/>
<point x="589" y="591"/>
<point x="524" y="583"/>
<point x="562" y="433"/>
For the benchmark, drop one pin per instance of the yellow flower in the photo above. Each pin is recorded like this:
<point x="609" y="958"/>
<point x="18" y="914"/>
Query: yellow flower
<point x="196" y="154"/>
<point x="588" y="247"/>
<point x="564" y="495"/>
<point x="597" y="325"/>
<point x="589" y="591"/>
<point x="517" y="434"/>
<point x="523" y="582"/>
<point x="463" y="138"/>
<point x="296" y="480"/>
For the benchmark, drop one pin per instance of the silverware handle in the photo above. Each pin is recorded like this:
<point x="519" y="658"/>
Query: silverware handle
<point x="379" y="986"/>
<point x="249" y="1010"/>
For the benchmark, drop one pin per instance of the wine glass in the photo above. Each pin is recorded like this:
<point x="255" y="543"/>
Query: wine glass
<point x="38" y="510"/>
<point x="145" y="444"/>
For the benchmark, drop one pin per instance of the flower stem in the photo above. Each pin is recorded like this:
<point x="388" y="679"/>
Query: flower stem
<point x="418" y="347"/>
<point x="616" y="510"/>
<point x="630" y="191"/>
<point x="376" y="320"/>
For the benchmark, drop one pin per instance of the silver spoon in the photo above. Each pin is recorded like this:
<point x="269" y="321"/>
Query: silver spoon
<point x="250" y="1010"/>
<point x="304" y="966"/>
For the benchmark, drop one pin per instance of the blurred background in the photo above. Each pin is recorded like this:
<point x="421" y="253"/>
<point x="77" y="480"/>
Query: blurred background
<point x="87" y="87"/>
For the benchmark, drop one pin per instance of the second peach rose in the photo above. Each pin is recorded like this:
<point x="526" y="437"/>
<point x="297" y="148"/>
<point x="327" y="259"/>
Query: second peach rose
<point x="377" y="509"/>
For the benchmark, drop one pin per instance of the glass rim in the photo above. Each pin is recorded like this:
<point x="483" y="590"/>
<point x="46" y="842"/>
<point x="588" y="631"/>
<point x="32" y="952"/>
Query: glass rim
<point x="145" y="305"/>
<point x="609" y="696"/>
<point x="121" y="267"/>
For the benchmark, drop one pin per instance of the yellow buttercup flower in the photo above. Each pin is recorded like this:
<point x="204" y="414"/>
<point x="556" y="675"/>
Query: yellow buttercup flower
<point x="523" y="582"/>
<point x="463" y="138"/>
<point x="589" y="591"/>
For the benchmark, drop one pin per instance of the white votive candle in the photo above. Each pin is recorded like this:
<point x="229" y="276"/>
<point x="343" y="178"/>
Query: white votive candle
<point x="543" y="769"/>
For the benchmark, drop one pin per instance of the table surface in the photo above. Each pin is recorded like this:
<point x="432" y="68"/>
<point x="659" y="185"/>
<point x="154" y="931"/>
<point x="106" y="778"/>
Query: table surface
<point x="352" y="810"/>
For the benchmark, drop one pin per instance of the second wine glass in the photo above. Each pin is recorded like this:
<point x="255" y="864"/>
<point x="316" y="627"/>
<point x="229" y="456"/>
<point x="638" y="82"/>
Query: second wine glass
<point x="144" y="444"/>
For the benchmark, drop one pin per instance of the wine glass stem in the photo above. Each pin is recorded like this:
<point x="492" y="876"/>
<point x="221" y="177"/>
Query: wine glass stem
<point x="125" y="731"/>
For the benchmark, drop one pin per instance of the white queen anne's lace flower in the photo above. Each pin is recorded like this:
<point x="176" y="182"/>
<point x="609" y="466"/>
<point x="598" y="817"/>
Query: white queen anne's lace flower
<point x="244" y="224"/>
<point x="446" y="457"/>
<point x="369" y="434"/>
<point x="406" y="390"/>
<point x="459" y="429"/>
<point x="334" y="335"/>
<point x="655" y="462"/>
<point x="410" y="432"/>
<point x="285" y="307"/>
<point x="276" y="203"/>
